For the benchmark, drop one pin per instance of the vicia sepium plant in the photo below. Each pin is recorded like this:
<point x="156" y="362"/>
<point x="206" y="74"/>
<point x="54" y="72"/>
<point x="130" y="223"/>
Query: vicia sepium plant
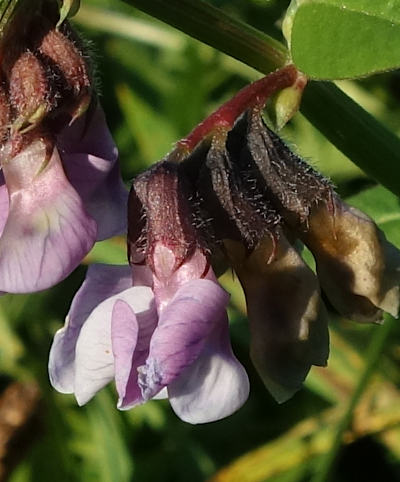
<point x="158" y="326"/>
<point x="60" y="187"/>
<point x="230" y="194"/>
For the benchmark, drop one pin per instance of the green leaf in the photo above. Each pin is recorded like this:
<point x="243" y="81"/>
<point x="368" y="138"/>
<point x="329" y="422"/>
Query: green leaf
<point x="337" y="39"/>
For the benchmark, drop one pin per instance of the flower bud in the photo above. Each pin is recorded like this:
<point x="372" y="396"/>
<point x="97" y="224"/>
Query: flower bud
<point x="357" y="267"/>
<point x="159" y="215"/>
<point x="290" y="184"/>
<point x="64" y="57"/>
<point x="354" y="267"/>
<point x="29" y="92"/>
<point x="162" y="237"/>
<point x="287" y="337"/>
<point x="288" y="322"/>
<point x="237" y="214"/>
<point x="286" y="102"/>
<point x="46" y="78"/>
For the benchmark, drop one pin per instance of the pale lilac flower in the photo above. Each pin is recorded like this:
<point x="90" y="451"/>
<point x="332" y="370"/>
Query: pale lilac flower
<point x="287" y="318"/>
<point x="60" y="186"/>
<point x="181" y="350"/>
<point x="357" y="267"/>
<point x="159" y="328"/>
<point x="47" y="231"/>
<point x="54" y="207"/>
<point x="90" y="160"/>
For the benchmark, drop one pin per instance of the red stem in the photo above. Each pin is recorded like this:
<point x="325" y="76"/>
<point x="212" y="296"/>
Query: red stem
<point x="253" y="94"/>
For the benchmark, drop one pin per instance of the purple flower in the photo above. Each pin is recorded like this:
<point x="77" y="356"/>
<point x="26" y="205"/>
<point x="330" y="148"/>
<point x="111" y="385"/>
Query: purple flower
<point x="56" y="201"/>
<point x="47" y="231"/>
<point x="288" y="321"/>
<point x="357" y="267"/>
<point x="60" y="186"/>
<point x="90" y="160"/>
<point x="160" y="328"/>
<point x="182" y="350"/>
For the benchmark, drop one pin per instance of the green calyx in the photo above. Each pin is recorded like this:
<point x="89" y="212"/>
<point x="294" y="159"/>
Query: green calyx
<point x="68" y="8"/>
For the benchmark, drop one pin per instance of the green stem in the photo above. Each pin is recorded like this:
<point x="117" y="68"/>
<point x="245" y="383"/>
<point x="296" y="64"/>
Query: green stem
<point x="354" y="131"/>
<point x="7" y="8"/>
<point x="324" y="470"/>
<point x="349" y="127"/>
<point x="212" y="26"/>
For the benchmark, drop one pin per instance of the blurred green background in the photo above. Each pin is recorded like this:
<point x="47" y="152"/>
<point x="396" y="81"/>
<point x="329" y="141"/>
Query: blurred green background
<point x="155" y="85"/>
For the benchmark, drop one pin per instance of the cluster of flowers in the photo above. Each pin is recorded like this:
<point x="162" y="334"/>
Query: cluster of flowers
<point x="231" y="194"/>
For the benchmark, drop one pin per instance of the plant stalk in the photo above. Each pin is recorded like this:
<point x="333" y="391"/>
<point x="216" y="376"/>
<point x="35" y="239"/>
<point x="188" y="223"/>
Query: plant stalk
<point x="348" y="126"/>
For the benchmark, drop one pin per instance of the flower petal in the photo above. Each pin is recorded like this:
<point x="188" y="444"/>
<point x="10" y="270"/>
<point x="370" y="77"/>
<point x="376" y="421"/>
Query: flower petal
<point x="180" y="336"/>
<point x="124" y="336"/>
<point x="4" y="203"/>
<point x="100" y="186"/>
<point x="89" y="133"/>
<point x="48" y="231"/>
<point x="355" y="263"/>
<point x="130" y="333"/>
<point x="94" y="360"/>
<point x="142" y="276"/>
<point x="214" y="386"/>
<point x="288" y="323"/>
<point x="90" y="159"/>
<point x="102" y="281"/>
<point x="168" y="279"/>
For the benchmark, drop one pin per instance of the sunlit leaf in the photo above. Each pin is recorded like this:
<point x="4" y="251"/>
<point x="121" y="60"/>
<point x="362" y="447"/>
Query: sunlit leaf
<point x="336" y="39"/>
